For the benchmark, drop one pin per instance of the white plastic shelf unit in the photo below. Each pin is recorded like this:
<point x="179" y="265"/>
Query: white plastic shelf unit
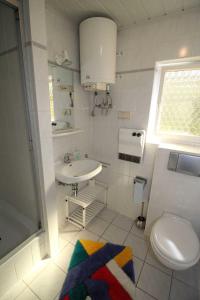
<point x="88" y="202"/>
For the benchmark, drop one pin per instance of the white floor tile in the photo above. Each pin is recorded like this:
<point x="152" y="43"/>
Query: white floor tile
<point x="152" y="260"/>
<point x="8" y="276"/>
<point x="48" y="283"/>
<point x="123" y="222"/>
<point x="102" y="240"/>
<point x="98" y="226"/>
<point x="85" y="235"/>
<point x="138" y="264"/>
<point x="36" y="270"/>
<point x="140" y="295"/>
<point x="181" y="291"/>
<point x="107" y="214"/>
<point x="139" y="232"/>
<point x="62" y="243"/>
<point x="57" y="297"/>
<point x="64" y="257"/>
<point x="139" y="246"/>
<point x="190" y="276"/>
<point x="155" y="282"/>
<point x="69" y="232"/>
<point x="15" y="291"/>
<point x="27" y="295"/>
<point x="114" y="234"/>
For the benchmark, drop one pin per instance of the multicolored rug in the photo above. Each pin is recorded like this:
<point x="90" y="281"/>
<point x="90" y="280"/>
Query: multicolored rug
<point x="102" y="271"/>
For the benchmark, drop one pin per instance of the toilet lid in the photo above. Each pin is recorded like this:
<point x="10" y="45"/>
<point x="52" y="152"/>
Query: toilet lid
<point x="175" y="239"/>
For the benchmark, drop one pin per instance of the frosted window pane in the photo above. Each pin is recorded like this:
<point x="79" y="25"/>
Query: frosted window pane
<point x="179" y="111"/>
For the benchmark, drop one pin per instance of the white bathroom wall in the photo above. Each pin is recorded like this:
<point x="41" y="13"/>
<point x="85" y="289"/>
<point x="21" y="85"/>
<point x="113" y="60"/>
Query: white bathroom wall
<point x="141" y="46"/>
<point x="63" y="34"/>
<point x="173" y="192"/>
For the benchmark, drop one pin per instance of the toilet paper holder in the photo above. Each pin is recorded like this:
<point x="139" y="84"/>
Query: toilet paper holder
<point x="140" y="180"/>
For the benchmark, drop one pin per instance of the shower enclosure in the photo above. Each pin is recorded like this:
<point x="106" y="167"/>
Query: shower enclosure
<point x="19" y="206"/>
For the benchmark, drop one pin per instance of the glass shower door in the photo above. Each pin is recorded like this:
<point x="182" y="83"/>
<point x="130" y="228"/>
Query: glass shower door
<point x="19" y="209"/>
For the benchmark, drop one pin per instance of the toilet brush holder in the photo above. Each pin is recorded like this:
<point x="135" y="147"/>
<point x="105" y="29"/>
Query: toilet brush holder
<point x="140" y="183"/>
<point x="141" y="220"/>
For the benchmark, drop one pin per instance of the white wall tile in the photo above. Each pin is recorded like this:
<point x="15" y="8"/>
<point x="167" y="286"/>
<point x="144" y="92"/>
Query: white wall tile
<point x="36" y="251"/>
<point x="8" y="276"/>
<point x="37" y="19"/>
<point x="41" y="78"/>
<point x="23" y="262"/>
<point x="44" y="120"/>
<point x="173" y="192"/>
<point x="142" y="46"/>
<point x="64" y="32"/>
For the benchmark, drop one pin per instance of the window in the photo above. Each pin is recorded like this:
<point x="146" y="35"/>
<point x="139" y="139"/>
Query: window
<point x="175" y="110"/>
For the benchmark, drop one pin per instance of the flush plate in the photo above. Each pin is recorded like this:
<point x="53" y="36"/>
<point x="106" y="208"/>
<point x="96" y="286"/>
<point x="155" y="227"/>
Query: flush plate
<point x="184" y="163"/>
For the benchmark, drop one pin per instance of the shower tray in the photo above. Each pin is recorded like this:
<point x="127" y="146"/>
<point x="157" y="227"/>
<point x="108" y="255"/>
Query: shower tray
<point x="88" y="204"/>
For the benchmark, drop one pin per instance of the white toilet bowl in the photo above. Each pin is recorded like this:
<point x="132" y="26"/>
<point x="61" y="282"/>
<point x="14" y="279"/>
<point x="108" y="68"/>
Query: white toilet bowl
<point x="174" y="242"/>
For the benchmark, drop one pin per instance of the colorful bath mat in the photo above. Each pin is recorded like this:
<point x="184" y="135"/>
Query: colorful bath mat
<point x="103" y="271"/>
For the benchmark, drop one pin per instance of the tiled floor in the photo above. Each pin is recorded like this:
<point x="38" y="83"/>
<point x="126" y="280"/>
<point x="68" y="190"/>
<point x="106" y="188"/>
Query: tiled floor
<point x="153" y="280"/>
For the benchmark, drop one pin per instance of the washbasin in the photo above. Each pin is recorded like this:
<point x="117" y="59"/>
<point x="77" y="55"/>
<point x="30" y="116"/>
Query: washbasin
<point x="77" y="171"/>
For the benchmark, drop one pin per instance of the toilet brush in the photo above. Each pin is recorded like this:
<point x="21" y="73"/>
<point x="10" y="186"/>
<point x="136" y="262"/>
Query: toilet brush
<point x="141" y="220"/>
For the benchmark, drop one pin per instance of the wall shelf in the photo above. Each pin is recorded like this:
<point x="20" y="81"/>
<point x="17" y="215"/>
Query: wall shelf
<point x="62" y="133"/>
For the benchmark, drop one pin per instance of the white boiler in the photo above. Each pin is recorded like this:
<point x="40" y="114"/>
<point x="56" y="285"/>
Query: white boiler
<point x="98" y="38"/>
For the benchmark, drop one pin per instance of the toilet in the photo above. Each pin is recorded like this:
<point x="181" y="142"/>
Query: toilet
<point x="174" y="242"/>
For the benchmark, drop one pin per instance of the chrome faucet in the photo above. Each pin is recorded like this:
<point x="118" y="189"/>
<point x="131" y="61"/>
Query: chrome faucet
<point x="67" y="158"/>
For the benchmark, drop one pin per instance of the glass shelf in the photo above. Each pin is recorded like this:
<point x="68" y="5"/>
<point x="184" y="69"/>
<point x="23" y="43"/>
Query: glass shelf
<point x="66" y="132"/>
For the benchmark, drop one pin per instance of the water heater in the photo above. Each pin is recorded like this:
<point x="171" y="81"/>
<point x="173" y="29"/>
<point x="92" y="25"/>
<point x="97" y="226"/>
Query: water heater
<point x="98" y="37"/>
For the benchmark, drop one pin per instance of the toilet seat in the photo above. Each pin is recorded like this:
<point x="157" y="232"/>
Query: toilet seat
<point x="174" y="242"/>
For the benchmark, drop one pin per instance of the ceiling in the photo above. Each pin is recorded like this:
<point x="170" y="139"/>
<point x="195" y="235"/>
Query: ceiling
<point x="123" y="12"/>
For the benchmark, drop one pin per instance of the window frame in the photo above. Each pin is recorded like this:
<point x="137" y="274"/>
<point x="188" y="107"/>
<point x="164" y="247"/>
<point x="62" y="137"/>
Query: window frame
<point x="161" y="68"/>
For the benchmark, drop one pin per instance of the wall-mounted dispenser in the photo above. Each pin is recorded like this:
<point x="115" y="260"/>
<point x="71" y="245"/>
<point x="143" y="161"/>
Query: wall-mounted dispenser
<point x="98" y="39"/>
<point x="131" y="144"/>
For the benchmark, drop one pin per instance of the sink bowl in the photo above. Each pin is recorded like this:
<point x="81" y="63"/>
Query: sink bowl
<point x="77" y="171"/>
